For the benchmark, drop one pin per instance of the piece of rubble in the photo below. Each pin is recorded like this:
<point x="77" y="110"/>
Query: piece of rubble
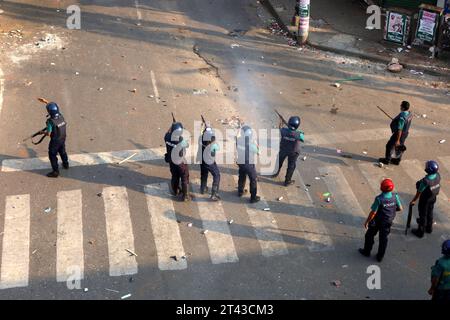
<point x="336" y="85"/>
<point x="230" y="221"/>
<point x="131" y="252"/>
<point x="133" y="90"/>
<point x="280" y="198"/>
<point x="199" y="92"/>
<point x="304" y="158"/>
<point x="125" y="296"/>
<point x="234" y="45"/>
<point x="442" y="141"/>
<point x="266" y="209"/>
<point x="394" y="66"/>
<point x="205" y="232"/>
<point x="189" y="224"/>
<point x="47" y="210"/>
<point x="337" y="283"/>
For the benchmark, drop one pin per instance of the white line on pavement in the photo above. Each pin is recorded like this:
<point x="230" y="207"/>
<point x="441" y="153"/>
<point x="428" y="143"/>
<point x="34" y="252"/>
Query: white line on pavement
<point x="84" y="159"/>
<point x="16" y="242"/>
<point x="119" y="231"/>
<point x="70" y="235"/>
<point x="166" y="233"/>
<point x="313" y="229"/>
<point x="266" y="228"/>
<point x="2" y="89"/>
<point x="155" y="88"/>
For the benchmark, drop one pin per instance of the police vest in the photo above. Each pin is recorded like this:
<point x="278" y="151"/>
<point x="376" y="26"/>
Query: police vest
<point x="387" y="209"/>
<point x="290" y="140"/>
<point x="444" y="280"/>
<point x="407" y="119"/>
<point x="244" y="152"/>
<point x="59" y="128"/>
<point x="433" y="187"/>
<point x="170" y="145"/>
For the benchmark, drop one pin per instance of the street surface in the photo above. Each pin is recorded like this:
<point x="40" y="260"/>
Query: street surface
<point x="117" y="81"/>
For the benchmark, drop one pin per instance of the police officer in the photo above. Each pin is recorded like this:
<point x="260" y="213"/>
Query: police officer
<point x="400" y="128"/>
<point x="246" y="153"/>
<point x="427" y="190"/>
<point x="440" y="276"/>
<point x="209" y="148"/>
<point x="56" y="129"/>
<point x="380" y="219"/>
<point x="176" y="149"/>
<point x="289" y="148"/>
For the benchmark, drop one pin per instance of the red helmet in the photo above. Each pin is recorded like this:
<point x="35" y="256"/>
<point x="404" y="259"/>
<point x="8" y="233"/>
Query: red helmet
<point x="387" y="185"/>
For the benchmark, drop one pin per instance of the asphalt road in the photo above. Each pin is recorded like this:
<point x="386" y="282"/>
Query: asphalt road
<point x="117" y="81"/>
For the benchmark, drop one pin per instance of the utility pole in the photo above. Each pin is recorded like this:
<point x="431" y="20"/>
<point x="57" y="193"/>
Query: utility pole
<point x="303" y="26"/>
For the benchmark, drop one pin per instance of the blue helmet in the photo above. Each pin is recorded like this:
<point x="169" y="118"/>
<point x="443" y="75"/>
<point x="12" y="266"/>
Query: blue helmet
<point x="294" y="123"/>
<point x="52" y="109"/>
<point x="246" y="131"/>
<point x="446" y="248"/>
<point x="176" y="126"/>
<point x="209" y="134"/>
<point x="431" y="167"/>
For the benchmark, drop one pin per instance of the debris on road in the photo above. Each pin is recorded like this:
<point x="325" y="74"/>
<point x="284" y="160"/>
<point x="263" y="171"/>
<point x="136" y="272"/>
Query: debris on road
<point x="91" y="242"/>
<point x="131" y="252"/>
<point x="99" y="194"/>
<point x="280" y="198"/>
<point x="133" y="90"/>
<point x="266" y="209"/>
<point x="237" y="33"/>
<point x="174" y="258"/>
<point x="47" y="210"/>
<point x="381" y="164"/>
<point x="128" y="158"/>
<point x="338" y="150"/>
<point x="417" y="73"/>
<point x="230" y="221"/>
<point x="34" y="252"/>
<point x="394" y="66"/>
<point x="336" y="283"/>
<point x="199" y="92"/>
<point x="304" y="158"/>
<point x="337" y="85"/>
<point x="345" y="266"/>
<point x="125" y="296"/>
<point x="86" y="289"/>
<point x="442" y="141"/>
<point x="334" y="110"/>
<point x="234" y="45"/>
<point x="205" y="232"/>
<point x="317" y="178"/>
<point x="111" y="290"/>
<point x="364" y="152"/>
<point x="189" y="224"/>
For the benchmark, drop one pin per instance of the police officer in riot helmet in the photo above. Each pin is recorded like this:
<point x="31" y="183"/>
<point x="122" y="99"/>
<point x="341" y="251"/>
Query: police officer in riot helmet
<point x="56" y="129"/>
<point x="175" y="155"/>
<point x="380" y="219"/>
<point x="427" y="190"/>
<point x="247" y="150"/>
<point x="289" y="147"/>
<point x="209" y="148"/>
<point x="440" y="275"/>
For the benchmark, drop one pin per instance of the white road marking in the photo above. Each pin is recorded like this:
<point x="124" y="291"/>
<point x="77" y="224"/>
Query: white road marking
<point x="220" y="242"/>
<point x="139" y="14"/>
<point x="70" y="235"/>
<point x="84" y="159"/>
<point x="266" y="228"/>
<point x="16" y="242"/>
<point x="357" y="136"/>
<point x="119" y="231"/>
<point x="343" y="196"/>
<point x="313" y="230"/>
<point x="155" y="88"/>
<point x="165" y="227"/>
<point x="2" y="89"/>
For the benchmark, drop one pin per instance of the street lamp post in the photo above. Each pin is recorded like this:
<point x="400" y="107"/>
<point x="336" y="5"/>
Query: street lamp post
<point x="303" y="26"/>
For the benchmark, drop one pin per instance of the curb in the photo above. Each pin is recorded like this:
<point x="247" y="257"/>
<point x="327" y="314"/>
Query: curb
<point x="366" y="56"/>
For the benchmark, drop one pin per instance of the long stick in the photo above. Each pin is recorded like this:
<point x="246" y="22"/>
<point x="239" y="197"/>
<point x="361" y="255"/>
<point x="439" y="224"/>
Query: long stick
<point x="385" y="113"/>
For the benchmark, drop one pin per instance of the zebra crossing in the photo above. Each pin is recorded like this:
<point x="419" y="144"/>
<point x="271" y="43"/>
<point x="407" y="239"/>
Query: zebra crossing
<point x="166" y="235"/>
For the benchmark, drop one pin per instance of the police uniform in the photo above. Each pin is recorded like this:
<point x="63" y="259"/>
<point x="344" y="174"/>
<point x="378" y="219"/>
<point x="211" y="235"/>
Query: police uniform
<point x="385" y="205"/>
<point x="209" y="164"/>
<point x="441" y="271"/>
<point x="246" y="152"/>
<point x="401" y="122"/>
<point x="290" y="149"/>
<point x="178" y="167"/>
<point x="429" y="187"/>
<point x="56" y="126"/>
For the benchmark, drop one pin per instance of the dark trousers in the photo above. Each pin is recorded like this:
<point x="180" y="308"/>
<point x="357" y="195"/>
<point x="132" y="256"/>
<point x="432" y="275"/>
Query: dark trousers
<point x="214" y="170"/>
<point x="384" y="229"/>
<point x="426" y="207"/>
<point x="56" y="147"/>
<point x="180" y="172"/>
<point x="250" y="171"/>
<point x="441" y="295"/>
<point x="391" y="145"/>
<point x="292" y="163"/>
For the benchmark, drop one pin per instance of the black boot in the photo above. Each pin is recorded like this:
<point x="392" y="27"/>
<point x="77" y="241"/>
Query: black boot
<point x="66" y="166"/>
<point x="53" y="174"/>
<point x="289" y="182"/>
<point x="418" y="232"/>
<point x="395" y="161"/>
<point x="379" y="258"/>
<point x="429" y="229"/>
<point x="174" y="190"/>
<point x="203" y="189"/>
<point x="364" y="252"/>
<point x="186" y="197"/>
<point x="215" y="196"/>
<point x="384" y="160"/>
<point x="255" y="199"/>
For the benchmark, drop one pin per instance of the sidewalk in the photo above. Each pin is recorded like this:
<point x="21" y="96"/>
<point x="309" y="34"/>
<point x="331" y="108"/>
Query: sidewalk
<point x="339" y="26"/>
